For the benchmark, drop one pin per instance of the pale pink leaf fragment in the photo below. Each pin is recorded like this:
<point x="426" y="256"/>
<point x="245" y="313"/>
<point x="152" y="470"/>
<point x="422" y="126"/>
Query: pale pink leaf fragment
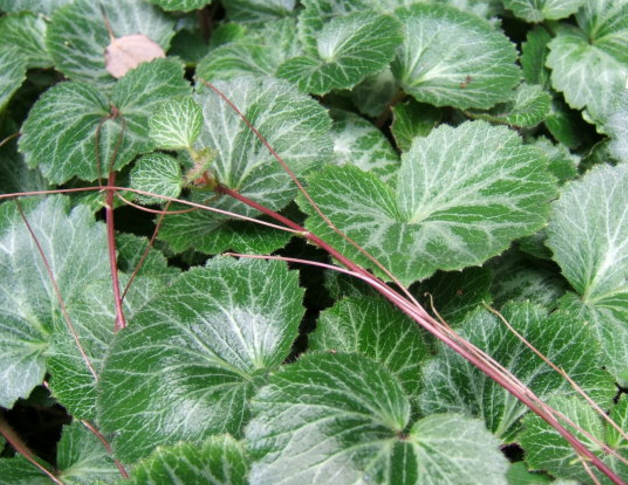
<point x="128" y="51"/>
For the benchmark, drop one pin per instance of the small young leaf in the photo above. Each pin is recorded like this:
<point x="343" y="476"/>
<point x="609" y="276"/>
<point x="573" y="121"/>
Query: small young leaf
<point x="220" y="460"/>
<point x="600" y="42"/>
<point x="357" y="142"/>
<point x="454" y="385"/>
<point x="159" y="174"/>
<point x="185" y="366"/>
<point x="545" y="449"/>
<point x="452" y="58"/>
<point x="76" y="248"/>
<point x="59" y="135"/>
<point x="463" y="194"/>
<point x="348" y="49"/>
<point x="562" y="163"/>
<point x="26" y="32"/>
<point x="372" y="327"/>
<point x="530" y="106"/>
<point x="176" y="124"/>
<point x="412" y="119"/>
<point x="342" y="418"/>
<point x="12" y="73"/>
<point x="77" y="35"/>
<point x="129" y="51"/>
<point x="373" y="95"/>
<point x="539" y="10"/>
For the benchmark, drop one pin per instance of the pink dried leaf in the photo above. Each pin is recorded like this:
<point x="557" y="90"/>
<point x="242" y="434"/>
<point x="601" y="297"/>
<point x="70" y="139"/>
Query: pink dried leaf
<point x="128" y="51"/>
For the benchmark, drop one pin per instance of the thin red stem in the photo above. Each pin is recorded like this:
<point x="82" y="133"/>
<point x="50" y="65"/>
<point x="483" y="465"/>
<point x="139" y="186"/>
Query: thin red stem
<point x="55" y="287"/>
<point x="19" y="446"/>
<point x="107" y="446"/>
<point x="113" y="261"/>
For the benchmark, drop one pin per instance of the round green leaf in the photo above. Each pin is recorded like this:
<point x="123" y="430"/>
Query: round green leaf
<point x="176" y="124"/>
<point x="342" y="418"/>
<point x="453" y="58"/>
<point x="539" y="10"/>
<point x="77" y="35"/>
<point x="617" y="128"/>
<point x="258" y="11"/>
<point x="185" y="367"/>
<point x="348" y="49"/>
<point x="218" y="461"/>
<point x="35" y="6"/>
<point x="59" y="135"/>
<point x="587" y="234"/>
<point x="462" y="195"/>
<point x="600" y="42"/>
<point x="454" y="385"/>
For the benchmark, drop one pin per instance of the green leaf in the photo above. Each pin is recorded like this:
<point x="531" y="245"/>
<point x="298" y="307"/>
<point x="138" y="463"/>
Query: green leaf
<point x="453" y="58"/>
<point x="176" y="124"/>
<point x="83" y="459"/>
<point x="600" y="42"/>
<point x="463" y="194"/>
<point x="258" y="11"/>
<point x="35" y="6"/>
<point x="562" y="163"/>
<point x="587" y="234"/>
<point x="373" y="95"/>
<point x="12" y="73"/>
<point x="158" y="174"/>
<point x="530" y="106"/>
<point x="518" y="474"/>
<point x="349" y="48"/>
<point x="519" y="278"/>
<point x="455" y="294"/>
<point x="534" y="53"/>
<point x="77" y="35"/>
<point x="131" y="250"/>
<point x="566" y="125"/>
<point x="454" y="385"/>
<point x="14" y="174"/>
<point x="372" y="327"/>
<point x="412" y="119"/>
<point x="358" y="142"/>
<point x="617" y="128"/>
<point x="19" y="471"/>
<point x="76" y="248"/>
<point x="181" y="5"/>
<point x="260" y="52"/>
<point x="296" y="126"/>
<point x="59" y="135"/>
<point x="540" y="10"/>
<point x="185" y="366"/>
<point x="26" y="32"/>
<point x="93" y="317"/>
<point x="547" y="450"/>
<point x="220" y="460"/>
<point x="342" y="418"/>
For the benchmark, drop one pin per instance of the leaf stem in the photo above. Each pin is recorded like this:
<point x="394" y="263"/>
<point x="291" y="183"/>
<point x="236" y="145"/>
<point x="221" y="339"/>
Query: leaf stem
<point x="107" y="446"/>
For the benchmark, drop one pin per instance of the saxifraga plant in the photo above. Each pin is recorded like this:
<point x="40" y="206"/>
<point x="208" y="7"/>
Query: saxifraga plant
<point x="193" y="376"/>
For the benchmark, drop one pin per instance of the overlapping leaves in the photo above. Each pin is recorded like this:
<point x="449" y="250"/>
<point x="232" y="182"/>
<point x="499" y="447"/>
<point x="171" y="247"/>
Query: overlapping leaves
<point x="343" y="417"/>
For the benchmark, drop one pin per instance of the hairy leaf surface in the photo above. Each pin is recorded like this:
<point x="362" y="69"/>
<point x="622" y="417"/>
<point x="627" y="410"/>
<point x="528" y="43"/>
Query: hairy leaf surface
<point x="186" y="366"/>
<point x="462" y="195"/>
<point x="342" y="418"/>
